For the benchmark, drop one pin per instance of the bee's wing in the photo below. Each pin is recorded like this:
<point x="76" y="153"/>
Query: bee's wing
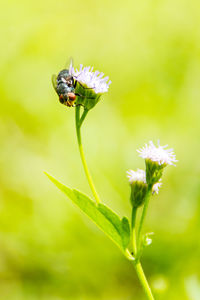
<point x="54" y="81"/>
<point x="69" y="64"/>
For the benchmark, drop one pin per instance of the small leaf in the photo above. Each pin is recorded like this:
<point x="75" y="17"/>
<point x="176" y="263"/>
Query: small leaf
<point x="111" y="216"/>
<point x="101" y="215"/>
<point x="125" y="232"/>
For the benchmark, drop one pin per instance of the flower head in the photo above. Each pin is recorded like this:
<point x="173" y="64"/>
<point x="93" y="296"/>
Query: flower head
<point x="90" y="85"/>
<point x="137" y="180"/>
<point x="156" y="159"/>
<point x="138" y="175"/>
<point x="93" y="80"/>
<point x="158" y="154"/>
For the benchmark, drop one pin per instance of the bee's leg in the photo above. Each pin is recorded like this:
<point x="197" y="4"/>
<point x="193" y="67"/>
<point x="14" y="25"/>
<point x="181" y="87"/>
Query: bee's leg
<point x="75" y="84"/>
<point x="84" y="96"/>
<point x="86" y="88"/>
<point x="79" y="95"/>
<point x="67" y="103"/>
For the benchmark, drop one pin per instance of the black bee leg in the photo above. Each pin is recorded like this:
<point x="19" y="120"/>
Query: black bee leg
<point x="78" y="95"/>
<point x="75" y="84"/>
<point x="86" y="88"/>
<point x="84" y="96"/>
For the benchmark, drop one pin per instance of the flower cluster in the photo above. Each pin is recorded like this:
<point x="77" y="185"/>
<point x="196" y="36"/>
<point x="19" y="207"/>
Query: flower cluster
<point x="90" y="79"/>
<point x="90" y="85"/>
<point x="80" y="87"/>
<point x="140" y="176"/>
<point x="158" y="154"/>
<point x="156" y="158"/>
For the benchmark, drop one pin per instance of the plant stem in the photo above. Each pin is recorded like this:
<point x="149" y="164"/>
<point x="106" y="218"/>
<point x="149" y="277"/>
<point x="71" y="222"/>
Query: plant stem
<point x="79" y="122"/>
<point x="144" y="212"/>
<point x="83" y="117"/>
<point x="143" y="280"/>
<point x="136" y="263"/>
<point x="134" y="212"/>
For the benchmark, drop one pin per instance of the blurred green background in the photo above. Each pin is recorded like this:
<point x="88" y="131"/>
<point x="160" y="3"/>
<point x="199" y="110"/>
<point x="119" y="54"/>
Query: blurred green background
<point x="151" y="52"/>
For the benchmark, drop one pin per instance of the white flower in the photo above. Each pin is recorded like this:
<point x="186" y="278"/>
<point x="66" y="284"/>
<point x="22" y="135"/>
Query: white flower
<point x="158" y="154"/>
<point x="156" y="187"/>
<point x="138" y="175"/>
<point x="91" y="79"/>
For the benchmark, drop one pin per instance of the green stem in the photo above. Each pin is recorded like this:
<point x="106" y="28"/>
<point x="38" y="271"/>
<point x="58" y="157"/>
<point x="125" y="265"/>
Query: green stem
<point x="79" y="122"/>
<point x="144" y="212"/>
<point x="83" y="116"/>
<point x="136" y="263"/>
<point x="134" y="212"/>
<point x="143" y="280"/>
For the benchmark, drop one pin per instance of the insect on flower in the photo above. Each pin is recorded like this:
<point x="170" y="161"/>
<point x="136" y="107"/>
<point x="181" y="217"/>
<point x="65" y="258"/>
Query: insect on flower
<point x="84" y="83"/>
<point x="64" y="85"/>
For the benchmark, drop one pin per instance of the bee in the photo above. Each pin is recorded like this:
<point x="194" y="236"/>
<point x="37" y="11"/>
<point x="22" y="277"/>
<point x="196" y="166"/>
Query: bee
<point x="64" y="85"/>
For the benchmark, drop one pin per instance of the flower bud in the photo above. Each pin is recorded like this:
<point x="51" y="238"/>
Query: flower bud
<point x="139" y="187"/>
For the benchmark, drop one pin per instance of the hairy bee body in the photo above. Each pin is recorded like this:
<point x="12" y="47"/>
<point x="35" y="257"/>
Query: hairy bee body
<point x="65" y="88"/>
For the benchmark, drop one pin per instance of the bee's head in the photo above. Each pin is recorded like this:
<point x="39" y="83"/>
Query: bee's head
<point x="72" y="96"/>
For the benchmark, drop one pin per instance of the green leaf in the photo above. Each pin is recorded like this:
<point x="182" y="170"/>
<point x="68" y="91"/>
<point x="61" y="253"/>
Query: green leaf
<point x="101" y="215"/>
<point x="122" y="226"/>
<point x="125" y="232"/>
<point x="111" y="216"/>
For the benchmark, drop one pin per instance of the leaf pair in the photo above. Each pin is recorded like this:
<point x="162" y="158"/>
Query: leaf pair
<point x="118" y="230"/>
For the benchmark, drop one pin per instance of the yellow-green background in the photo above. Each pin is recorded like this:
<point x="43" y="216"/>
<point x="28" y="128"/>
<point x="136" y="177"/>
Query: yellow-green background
<point x="151" y="51"/>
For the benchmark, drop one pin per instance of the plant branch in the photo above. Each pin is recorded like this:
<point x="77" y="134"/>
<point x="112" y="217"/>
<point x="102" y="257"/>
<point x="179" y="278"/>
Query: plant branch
<point x="134" y="242"/>
<point x="136" y="262"/>
<point x="143" y="280"/>
<point x="79" y="122"/>
<point x="144" y="212"/>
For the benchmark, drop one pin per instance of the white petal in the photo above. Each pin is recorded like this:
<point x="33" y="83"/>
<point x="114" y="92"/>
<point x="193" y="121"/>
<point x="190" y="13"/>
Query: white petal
<point x="138" y="175"/>
<point x="158" y="154"/>
<point x="92" y="79"/>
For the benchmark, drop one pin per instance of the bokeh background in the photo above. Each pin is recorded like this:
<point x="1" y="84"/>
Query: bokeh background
<point x="151" y="51"/>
